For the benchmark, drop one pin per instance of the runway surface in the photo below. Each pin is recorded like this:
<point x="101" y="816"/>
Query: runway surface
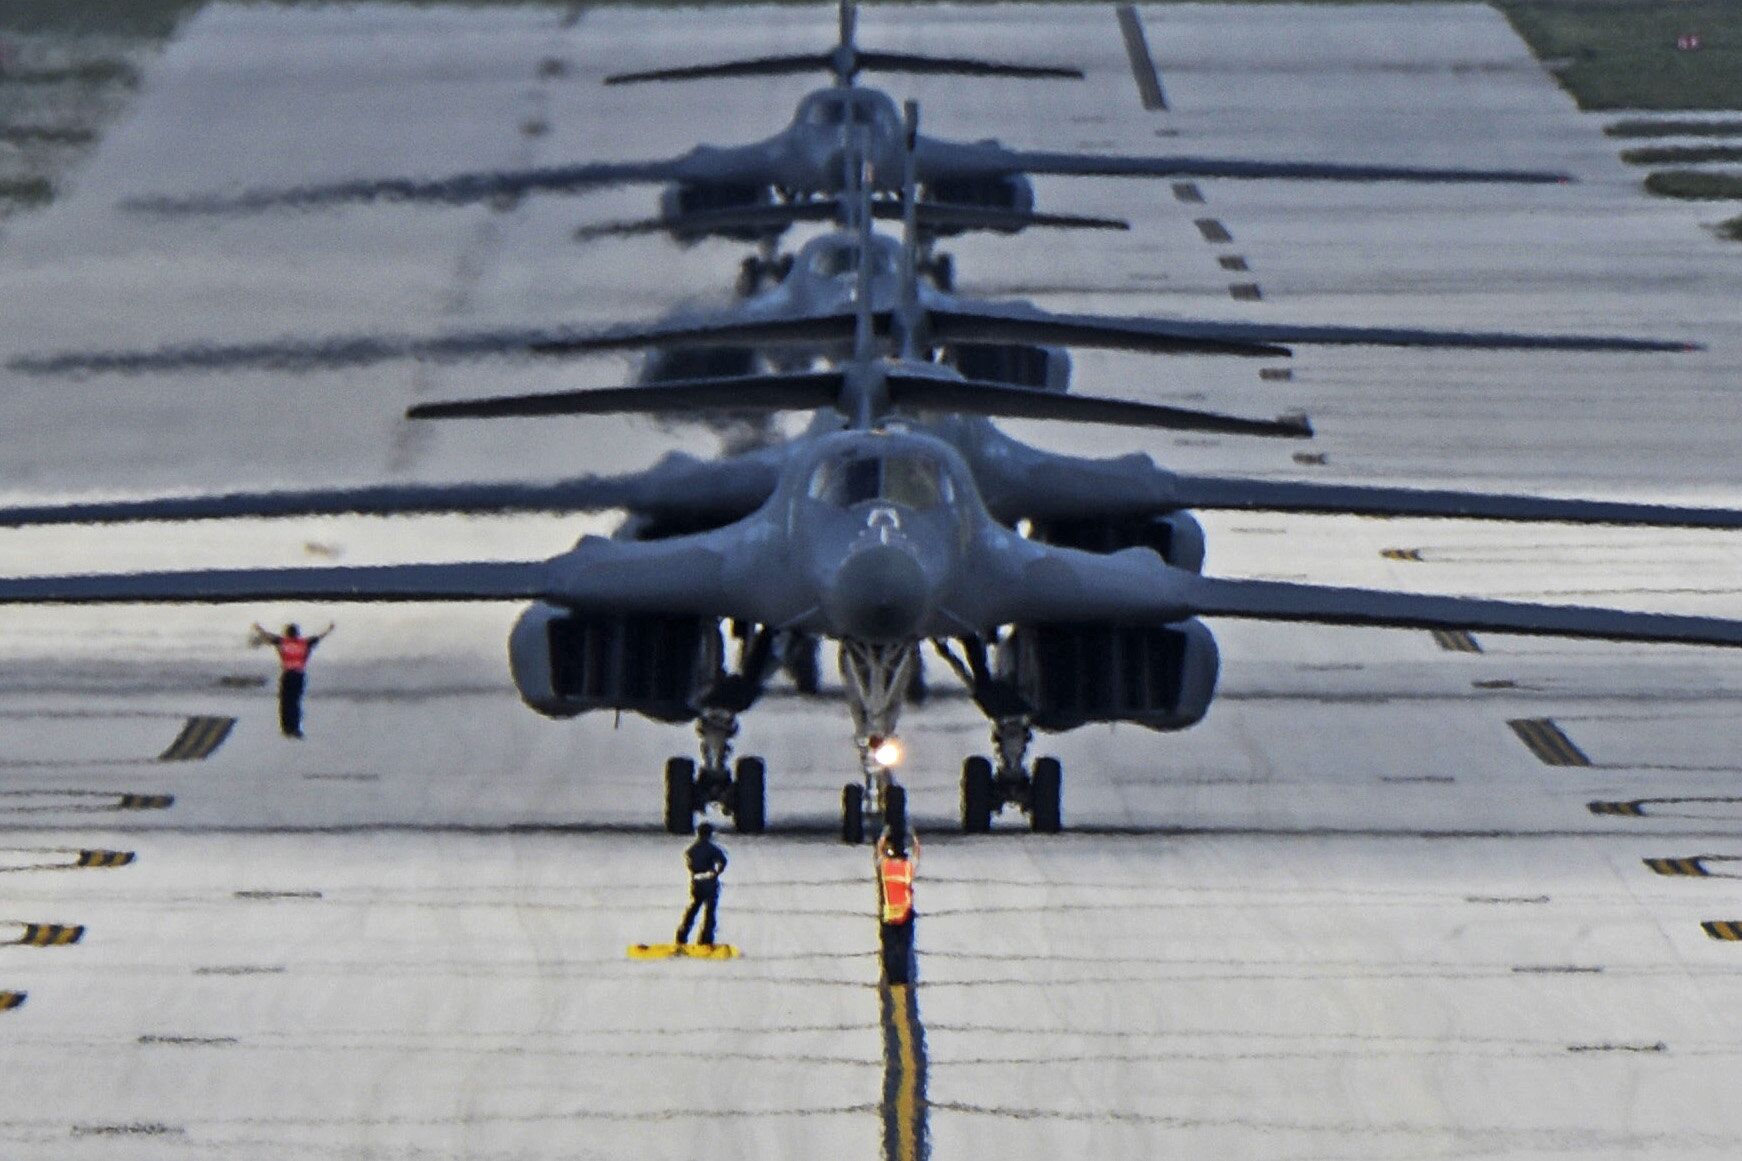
<point x="1391" y="900"/>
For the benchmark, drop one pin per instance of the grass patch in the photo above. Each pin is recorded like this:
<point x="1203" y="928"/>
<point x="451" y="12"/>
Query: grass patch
<point x="1693" y="185"/>
<point x="1673" y="128"/>
<point x="1623" y="55"/>
<point x="1682" y="155"/>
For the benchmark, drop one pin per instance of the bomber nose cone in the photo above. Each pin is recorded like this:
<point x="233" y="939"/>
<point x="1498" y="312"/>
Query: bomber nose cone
<point x="880" y="594"/>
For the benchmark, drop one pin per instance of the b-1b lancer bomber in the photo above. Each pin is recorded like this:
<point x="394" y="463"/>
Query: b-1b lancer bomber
<point x="1063" y="591"/>
<point x="721" y="189"/>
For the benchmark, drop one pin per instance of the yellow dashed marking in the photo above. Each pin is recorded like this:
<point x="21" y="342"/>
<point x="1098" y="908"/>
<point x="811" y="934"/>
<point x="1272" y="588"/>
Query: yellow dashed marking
<point x="11" y="1000"/>
<point x="1549" y="743"/>
<point x="683" y="951"/>
<point x="1411" y="554"/>
<point x="145" y="802"/>
<point x="1691" y="866"/>
<point x="198" y="739"/>
<point x="1728" y="930"/>
<point x="50" y="935"/>
<point x="1456" y="640"/>
<point x="105" y="858"/>
<point x="1634" y="809"/>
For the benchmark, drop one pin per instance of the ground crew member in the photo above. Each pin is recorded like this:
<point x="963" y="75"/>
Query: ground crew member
<point x="293" y="653"/>
<point x="706" y="861"/>
<point x="895" y="912"/>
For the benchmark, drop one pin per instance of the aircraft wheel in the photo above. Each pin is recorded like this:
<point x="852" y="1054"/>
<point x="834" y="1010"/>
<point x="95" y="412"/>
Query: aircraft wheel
<point x="977" y="795"/>
<point x="1044" y="794"/>
<point x="781" y="267"/>
<point x="803" y="666"/>
<point x="680" y="795"/>
<point x="749" y="277"/>
<point x="749" y="804"/>
<point x="853" y="813"/>
<point x="943" y="273"/>
<point x="895" y="810"/>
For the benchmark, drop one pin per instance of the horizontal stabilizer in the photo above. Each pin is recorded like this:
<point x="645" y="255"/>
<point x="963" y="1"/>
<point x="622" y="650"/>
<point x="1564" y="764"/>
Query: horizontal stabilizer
<point x="775" y="218"/>
<point x="811" y="390"/>
<point x="848" y="64"/>
<point x="1322" y="604"/>
<point x="1017" y="323"/>
<point x="1210" y="492"/>
<point x="803" y="391"/>
<point x="473" y="581"/>
<point x="924" y="392"/>
<point x="1036" y="326"/>
<point x="1092" y="165"/>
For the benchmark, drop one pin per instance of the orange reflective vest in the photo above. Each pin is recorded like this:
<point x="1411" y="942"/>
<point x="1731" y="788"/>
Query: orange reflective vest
<point x="293" y="653"/>
<point x="895" y="877"/>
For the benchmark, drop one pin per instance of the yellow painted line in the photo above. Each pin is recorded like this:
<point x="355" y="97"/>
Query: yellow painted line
<point x="1728" y="930"/>
<point x="1411" y="554"/>
<point x="1548" y="742"/>
<point x="1677" y="866"/>
<point x="1634" y="809"/>
<point x="11" y="1000"/>
<point x="105" y="858"/>
<point x="198" y="739"/>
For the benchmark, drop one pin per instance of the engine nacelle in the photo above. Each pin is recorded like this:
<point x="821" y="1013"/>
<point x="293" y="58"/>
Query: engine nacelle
<point x="1039" y="368"/>
<point x="1177" y="536"/>
<point x="680" y="201"/>
<point x="677" y="363"/>
<point x="1071" y="675"/>
<point x="567" y="663"/>
<point x="1014" y="192"/>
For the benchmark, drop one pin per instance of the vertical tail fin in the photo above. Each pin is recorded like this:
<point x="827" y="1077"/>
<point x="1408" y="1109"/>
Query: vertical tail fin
<point x="909" y="304"/>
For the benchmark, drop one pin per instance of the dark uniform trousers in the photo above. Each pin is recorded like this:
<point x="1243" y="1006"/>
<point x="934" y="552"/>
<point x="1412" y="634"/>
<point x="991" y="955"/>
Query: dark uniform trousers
<point x="704" y="897"/>
<point x="897" y="941"/>
<point x="290" y="684"/>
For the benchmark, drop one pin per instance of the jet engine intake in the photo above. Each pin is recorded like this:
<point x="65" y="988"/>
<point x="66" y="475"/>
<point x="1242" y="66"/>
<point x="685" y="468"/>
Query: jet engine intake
<point x="566" y="663"/>
<point x="1176" y="536"/>
<point x="1071" y="675"/>
<point x="1013" y="192"/>
<point x="680" y="201"/>
<point x="1038" y="368"/>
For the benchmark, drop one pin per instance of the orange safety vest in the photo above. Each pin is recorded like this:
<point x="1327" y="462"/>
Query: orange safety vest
<point x="293" y="653"/>
<point x="896" y="878"/>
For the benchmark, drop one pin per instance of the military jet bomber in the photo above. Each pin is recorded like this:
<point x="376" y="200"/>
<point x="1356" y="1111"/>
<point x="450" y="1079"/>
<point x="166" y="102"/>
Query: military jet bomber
<point x="1063" y="591"/>
<point x="804" y="161"/>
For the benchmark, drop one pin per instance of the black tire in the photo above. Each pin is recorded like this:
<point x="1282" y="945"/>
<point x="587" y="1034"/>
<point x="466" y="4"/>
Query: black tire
<point x="943" y="273"/>
<point x="853" y="813"/>
<point x="804" y="666"/>
<point x="976" y="795"/>
<point x="1044" y="795"/>
<point x="680" y="795"/>
<point x="749" y="804"/>
<point x="895" y="812"/>
<point x="750" y="273"/>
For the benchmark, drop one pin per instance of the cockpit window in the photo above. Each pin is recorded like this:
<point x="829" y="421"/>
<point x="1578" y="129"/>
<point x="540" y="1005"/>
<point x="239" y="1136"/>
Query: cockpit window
<point x="834" y="261"/>
<point x="916" y="482"/>
<point x="834" y="110"/>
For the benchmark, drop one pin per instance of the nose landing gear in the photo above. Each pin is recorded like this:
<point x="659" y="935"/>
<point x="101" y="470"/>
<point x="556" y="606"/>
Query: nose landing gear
<point x="878" y="678"/>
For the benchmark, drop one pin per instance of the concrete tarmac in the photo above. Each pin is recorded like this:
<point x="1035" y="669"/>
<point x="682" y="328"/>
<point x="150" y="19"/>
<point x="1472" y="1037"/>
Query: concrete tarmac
<point x="1391" y="900"/>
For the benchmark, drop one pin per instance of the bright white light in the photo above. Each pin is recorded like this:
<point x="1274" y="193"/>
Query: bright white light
<point x="887" y="752"/>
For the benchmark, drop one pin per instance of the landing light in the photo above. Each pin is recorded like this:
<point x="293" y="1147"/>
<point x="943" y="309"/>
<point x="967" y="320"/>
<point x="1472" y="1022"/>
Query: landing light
<point x="887" y="752"/>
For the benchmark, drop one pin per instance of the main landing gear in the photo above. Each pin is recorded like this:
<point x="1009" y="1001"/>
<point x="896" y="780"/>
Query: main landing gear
<point x="738" y="788"/>
<point x="1036" y="790"/>
<point x="878" y="678"/>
